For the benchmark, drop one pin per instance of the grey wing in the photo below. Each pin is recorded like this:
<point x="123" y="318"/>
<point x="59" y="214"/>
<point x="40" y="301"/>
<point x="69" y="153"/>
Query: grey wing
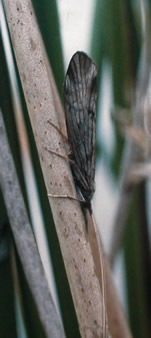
<point x="80" y="94"/>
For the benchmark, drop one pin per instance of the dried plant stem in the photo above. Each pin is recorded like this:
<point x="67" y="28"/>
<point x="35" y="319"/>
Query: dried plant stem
<point x="116" y="323"/>
<point x="25" y="241"/>
<point x="39" y="93"/>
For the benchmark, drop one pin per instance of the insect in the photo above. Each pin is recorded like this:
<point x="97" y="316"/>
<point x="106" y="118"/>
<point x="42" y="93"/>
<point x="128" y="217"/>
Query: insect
<point x="80" y="95"/>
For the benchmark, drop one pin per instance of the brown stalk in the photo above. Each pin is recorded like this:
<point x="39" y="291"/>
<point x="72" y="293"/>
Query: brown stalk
<point x="115" y="320"/>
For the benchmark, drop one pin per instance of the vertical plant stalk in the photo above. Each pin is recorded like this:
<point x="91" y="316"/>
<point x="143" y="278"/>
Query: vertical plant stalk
<point x="25" y="241"/>
<point x="117" y="323"/>
<point x="70" y="226"/>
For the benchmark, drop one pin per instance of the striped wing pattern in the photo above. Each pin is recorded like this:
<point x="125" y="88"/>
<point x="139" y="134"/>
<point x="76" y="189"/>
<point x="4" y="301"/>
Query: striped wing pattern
<point x="80" y="94"/>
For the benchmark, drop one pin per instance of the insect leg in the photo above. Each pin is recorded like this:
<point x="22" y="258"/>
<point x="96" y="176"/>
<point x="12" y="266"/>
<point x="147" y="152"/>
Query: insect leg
<point x="58" y="154"/>
<point x="66" y="196"/>
<point x="59" y="130"/>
